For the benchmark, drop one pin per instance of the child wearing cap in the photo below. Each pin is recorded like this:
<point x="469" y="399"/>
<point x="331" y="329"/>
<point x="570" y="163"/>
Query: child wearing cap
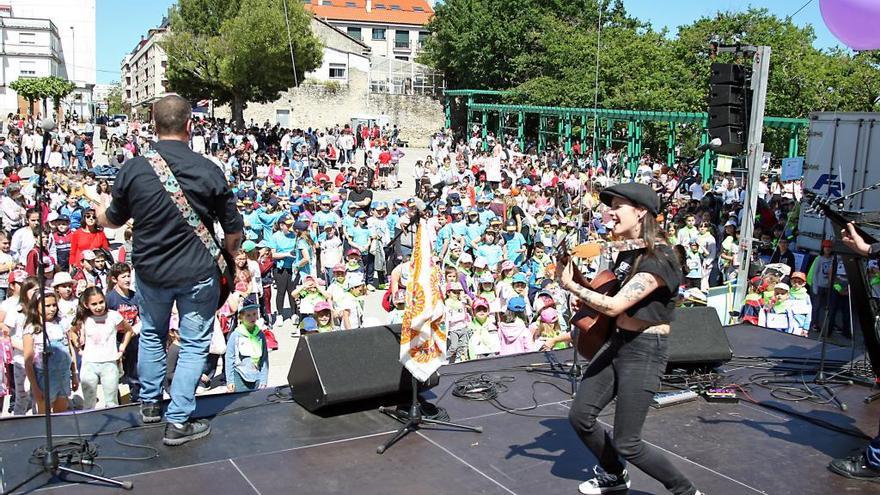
<point x="395" y="316"/>
<point x="309" y="294"/>
<point x="777" y="312"/>
<point x="754" y="302"/>
<point x="324" y="317"/>
<point x="7" y="264"/>
<point x="801" y="306"/>
<point x="484" y="332"/>
<point x="247" y="353"/>
<point x="457" y="321"/>
<point x="351" y="304"/>
<point x="513" y="330"/>
<point x="547" y="330"/>
<point x="331" y="250"/>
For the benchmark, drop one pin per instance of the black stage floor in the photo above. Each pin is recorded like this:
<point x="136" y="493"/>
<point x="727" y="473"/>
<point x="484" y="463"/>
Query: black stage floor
<point x="267" y="448"/>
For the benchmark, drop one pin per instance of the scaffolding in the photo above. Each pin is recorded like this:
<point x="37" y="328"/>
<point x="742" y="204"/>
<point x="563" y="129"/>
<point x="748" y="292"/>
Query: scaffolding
<point x="402" y="77"/>
<point x="555" y="124"/>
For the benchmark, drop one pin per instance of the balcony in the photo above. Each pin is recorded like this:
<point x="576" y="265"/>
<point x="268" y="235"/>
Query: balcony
<point x="402" y="45"/>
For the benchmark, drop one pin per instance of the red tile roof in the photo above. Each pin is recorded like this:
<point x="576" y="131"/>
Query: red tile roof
<point x="415" y="12"/>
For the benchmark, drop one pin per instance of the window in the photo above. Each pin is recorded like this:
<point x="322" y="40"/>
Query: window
<point x="354" y="32"/>
<point x="379" y="34"/>
<point x="379" y="6"/>
<point x="27" y="38"/>
<point x="307" y="1"/>
<point x="337" y="71"/>
<point x="401" y="39"/>
<point x="27" y="68"/>
<point x="395" y="7"/>
<point x="326" y="2"/>
<point x="418" y="9"/>
<point x="402" y="57"/>
<point x="423" y="35"/>
<point x="350" y="4"/>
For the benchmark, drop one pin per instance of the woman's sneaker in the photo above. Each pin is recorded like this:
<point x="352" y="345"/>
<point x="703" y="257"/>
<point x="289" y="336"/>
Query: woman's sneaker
<point x="180" y="433"/>
<point x="605" y="483"/>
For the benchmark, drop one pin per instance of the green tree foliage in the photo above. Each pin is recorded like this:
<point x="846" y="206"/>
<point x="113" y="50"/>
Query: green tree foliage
<point x="39" y="88"/>
<point x="30" y="88"/>
<point x="236" y="51"/>
<point x="115" y="102"/>
<point x="57" y="89"/>
<point x="545" y="51"/>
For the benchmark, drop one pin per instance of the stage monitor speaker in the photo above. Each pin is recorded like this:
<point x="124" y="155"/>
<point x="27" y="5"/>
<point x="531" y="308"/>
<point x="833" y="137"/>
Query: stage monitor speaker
<point x="698" y="338"/>
<point x="335" y="368"/>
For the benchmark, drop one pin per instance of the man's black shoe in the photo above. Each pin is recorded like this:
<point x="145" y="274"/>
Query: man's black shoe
<point x="179" y="434"/>
<point x="151" y="412"/>
<point x="855" y="467"/>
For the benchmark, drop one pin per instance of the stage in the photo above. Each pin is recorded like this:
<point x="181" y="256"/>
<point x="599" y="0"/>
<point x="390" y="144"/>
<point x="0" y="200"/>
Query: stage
<point x="263" y="447"/>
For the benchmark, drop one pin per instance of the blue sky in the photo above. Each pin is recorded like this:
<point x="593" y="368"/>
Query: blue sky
<point x="121" y="22"/>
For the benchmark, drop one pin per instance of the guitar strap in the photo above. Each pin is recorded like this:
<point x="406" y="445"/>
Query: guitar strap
<point x="175" y="192"/>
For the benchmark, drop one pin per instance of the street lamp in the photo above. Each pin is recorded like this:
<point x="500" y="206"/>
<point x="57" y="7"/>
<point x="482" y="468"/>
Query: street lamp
<point x="73" y="61"/>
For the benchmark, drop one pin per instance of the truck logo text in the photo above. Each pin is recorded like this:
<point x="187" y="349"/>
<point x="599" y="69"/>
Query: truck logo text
<point x="835" y="186"/>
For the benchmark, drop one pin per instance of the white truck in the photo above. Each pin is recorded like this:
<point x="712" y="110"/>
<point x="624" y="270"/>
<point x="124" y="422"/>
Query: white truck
<point x="843" y="156"/>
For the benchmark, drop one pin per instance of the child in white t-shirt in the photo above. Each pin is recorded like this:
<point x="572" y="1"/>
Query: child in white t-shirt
<point x="94" y="332"/>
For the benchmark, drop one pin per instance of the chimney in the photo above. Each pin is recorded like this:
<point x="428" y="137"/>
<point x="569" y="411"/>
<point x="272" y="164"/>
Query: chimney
<point x="369" y="6"/>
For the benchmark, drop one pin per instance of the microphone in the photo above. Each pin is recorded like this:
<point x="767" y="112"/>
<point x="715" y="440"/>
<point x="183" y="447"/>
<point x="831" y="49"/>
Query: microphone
<point x="715" y="143"/>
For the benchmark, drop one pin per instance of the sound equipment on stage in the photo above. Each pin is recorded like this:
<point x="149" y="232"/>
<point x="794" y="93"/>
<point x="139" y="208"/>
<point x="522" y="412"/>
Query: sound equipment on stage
<point x="698" y="338"/>
<point x="334" y="368"/>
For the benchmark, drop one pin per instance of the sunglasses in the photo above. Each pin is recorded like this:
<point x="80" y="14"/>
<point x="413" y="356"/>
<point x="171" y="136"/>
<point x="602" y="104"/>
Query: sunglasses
<point x="89" y="216"/>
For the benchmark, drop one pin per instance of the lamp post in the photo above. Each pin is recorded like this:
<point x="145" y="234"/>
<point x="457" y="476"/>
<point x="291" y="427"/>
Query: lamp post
<point x="73" y="61"/>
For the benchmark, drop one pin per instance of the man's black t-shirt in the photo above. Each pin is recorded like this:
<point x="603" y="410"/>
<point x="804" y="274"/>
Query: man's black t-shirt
<point x="659" y="305"/>
<point x="355" y="197"/>
<point x="167" y="252"/>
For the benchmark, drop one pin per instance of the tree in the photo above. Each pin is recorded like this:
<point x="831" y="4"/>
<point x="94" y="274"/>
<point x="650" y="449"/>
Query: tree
<point x="115" y="102"/>
<point x="235" y="51"/>
<point x="30" y="88"/>
<point x="58" y="89"/>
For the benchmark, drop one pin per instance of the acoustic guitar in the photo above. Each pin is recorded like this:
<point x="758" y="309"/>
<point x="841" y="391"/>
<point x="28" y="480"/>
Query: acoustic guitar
<point x="594" y="328"/>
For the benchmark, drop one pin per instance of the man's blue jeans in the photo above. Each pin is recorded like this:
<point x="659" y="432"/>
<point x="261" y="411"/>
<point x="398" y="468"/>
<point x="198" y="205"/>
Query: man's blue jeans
<point x="196" y="304"/>
<point x="873" y="453"/>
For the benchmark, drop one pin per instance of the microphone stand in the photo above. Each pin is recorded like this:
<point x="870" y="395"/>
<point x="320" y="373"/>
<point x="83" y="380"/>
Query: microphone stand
<point x="49" y="462"/>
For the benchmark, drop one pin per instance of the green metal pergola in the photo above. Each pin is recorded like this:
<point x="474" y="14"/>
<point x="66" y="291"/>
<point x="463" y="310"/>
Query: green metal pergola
<point x="558" y="122"/>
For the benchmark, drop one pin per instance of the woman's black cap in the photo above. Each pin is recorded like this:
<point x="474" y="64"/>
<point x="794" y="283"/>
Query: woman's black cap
<point x="638" y="194"/>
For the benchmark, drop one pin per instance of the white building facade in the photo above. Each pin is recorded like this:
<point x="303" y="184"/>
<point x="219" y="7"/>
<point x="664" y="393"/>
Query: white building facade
<point x="49" y="37"/>
<point x="395" y="29"/>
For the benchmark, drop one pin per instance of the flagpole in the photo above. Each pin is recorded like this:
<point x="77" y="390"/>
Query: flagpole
<point x="422" y="340"/>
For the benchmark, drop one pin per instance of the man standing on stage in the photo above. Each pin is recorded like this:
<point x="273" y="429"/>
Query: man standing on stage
<point x="172" y="265"/>
<point x="865" y="466"/>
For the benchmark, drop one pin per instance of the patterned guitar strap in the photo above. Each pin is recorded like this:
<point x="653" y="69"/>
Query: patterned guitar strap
<point x="169" y="182"/>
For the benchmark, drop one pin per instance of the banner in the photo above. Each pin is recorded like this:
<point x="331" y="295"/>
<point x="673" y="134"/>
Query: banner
<point x="423" y="334"/>
<point x="792" y="168"/>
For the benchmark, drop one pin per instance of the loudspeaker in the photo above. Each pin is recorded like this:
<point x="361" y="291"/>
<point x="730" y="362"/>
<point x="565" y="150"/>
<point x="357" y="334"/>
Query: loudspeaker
<point x="698" y="338"/>
<point x="335" y="368"/>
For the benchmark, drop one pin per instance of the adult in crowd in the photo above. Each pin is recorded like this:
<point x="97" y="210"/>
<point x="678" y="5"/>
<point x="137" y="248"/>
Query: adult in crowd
<point x="172" y="265"/>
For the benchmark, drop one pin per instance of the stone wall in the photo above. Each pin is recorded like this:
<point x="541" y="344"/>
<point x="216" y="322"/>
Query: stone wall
<point x="316" y="104"/>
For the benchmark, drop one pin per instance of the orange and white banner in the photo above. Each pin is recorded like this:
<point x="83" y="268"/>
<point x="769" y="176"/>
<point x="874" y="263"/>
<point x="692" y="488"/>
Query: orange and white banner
<point x="423" y="333"/>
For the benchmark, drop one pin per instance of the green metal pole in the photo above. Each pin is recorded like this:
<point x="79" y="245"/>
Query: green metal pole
<point x="583" y="132"/>
<point x="484" y="118"/>
<point x="541" y="136"/>
<point x="630" y="145"/>
<point x="597" y="134"/>
<point x="447" y="108"/>
<point x="470" y="113"/>
<point x="521" y="130"/>
<point x="609" y="134"/>
<point x="705" y="171"/>
<point x="563" y="128"/>
<point x="501" y="121"/>
<point x="793" y="139"/>
<point x="670" y="145"/>
<point x="638" y="143"/>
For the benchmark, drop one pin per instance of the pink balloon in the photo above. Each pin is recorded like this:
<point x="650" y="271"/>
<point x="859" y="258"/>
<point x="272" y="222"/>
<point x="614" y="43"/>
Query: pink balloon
<point x="854" y="22"/>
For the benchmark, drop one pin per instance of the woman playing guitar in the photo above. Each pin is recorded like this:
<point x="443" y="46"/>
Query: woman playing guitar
<point x="631" y="365"/>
